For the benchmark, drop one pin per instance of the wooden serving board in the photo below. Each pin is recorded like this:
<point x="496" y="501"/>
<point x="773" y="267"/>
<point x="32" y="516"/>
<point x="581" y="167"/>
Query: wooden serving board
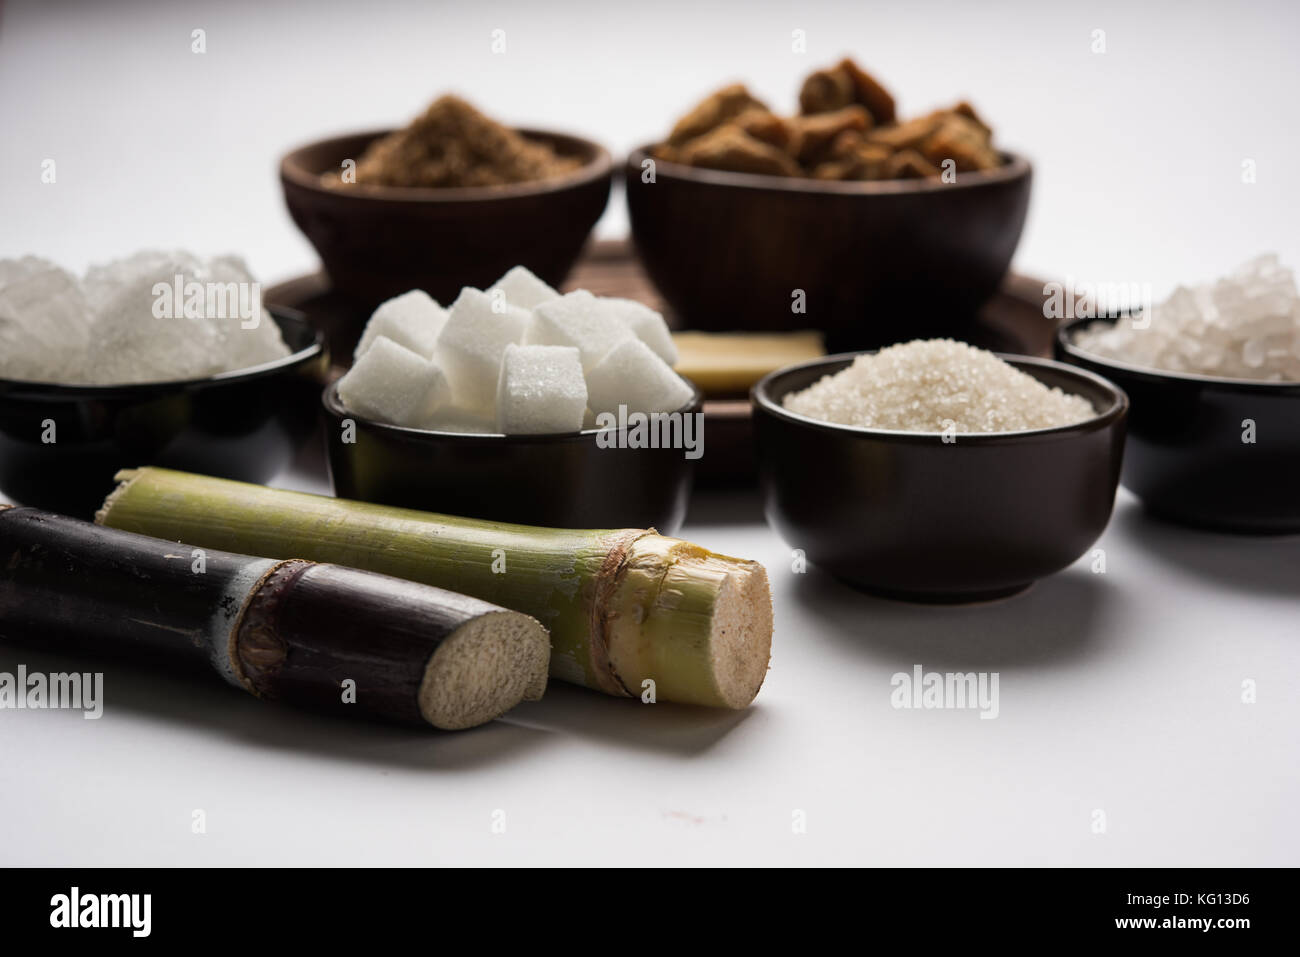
<point x="1012" y="321"/>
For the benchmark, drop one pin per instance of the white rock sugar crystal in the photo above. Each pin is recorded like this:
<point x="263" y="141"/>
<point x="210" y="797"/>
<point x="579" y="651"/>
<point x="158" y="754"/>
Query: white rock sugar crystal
<point x="44" y="327"/>
<point x="937" y="385"/>
<point x="1244" y="326"/>
<point x="133" y="320"/>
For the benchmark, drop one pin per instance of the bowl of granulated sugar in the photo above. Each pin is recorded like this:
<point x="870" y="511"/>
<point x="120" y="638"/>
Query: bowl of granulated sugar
<point x="935" y="471"/>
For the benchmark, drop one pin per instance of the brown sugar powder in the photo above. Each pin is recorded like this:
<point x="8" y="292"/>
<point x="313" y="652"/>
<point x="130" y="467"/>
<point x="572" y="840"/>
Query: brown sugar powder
<point x="452" y="144"/>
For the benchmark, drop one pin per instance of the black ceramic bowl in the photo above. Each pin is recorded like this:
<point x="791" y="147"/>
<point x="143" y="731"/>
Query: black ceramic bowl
<point x="564" y="480"/>
<point x="244" y="425"/>
<point x="906" y="515"/>
<point x="728" y="250"/>
<point x="1186" y="458"/>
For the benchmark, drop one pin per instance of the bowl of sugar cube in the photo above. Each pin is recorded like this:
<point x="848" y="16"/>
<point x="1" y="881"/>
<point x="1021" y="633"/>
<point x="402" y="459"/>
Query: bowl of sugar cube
<point x="518" y="404"/>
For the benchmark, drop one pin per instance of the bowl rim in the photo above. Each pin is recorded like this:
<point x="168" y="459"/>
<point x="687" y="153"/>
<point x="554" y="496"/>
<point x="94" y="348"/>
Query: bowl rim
<point x="1065" y="331"/>
<point x="32" y="389"/>
<point x="293" y="171"/>
<point x="1015" y="167"/>
<point x="333" y="405"/>
<point x="1115" y="411"/>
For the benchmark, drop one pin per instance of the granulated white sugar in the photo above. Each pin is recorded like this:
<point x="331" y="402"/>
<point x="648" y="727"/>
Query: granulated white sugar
<point x="1244" y="326"/>
<point x="937" y="385"/>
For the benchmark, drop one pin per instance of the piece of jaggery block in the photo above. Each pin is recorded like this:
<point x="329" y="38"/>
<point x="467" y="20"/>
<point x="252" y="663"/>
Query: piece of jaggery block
<point x="711" y="112"/>
<point x="869" y="161"/>
<point x="831" y="169"/>
<point x="730" y="148"/>
<point x="909" y="164"/>
<point x="768" y="127"/>
<point x="819" y="132"/>
<point x="868" y="92"/>
<point x="824" y="91"/>
<point x="962" y="140"/>
<point x="846" y="144"/>
<point x="666" y="153"/>
<point x="906" y="135"/>
<point x="866" y="161"/>
<point x="965" y="109"/>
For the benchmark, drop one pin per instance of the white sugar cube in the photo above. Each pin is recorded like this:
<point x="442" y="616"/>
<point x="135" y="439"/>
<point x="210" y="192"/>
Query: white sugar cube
<point x="412" y="319"/>
<point x="521" y="288"/>
<point x="541" y="389"/>
<point x="470" y="347"/>
<point x="633" y="376"/>
<point x="646" y="324"/>
<point x="394" y="385"/>
<point x="577" y="320"/>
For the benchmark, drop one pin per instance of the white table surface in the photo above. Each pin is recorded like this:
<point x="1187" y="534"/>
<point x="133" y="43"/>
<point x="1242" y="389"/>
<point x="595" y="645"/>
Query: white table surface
<point x="1118" y="692"/>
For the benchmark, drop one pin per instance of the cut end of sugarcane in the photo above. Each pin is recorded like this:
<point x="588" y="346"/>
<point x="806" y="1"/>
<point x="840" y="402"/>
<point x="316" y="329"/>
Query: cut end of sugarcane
<point x="123" y="478"/>
<point x="483" y="669"/>
<point x="740" y="639"/>
<point x="693" y="625"/>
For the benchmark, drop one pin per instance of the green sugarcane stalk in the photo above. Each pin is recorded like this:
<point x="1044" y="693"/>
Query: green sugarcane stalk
<point x="630" y="611"/>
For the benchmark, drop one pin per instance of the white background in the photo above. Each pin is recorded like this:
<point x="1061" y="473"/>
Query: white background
<point x="1119" y="692"/>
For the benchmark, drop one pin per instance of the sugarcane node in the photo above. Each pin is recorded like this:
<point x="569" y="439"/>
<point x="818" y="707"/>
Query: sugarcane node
<point x="257" y="651"/>
<point x="261" y="649"/>
<point x="604" y="586"/>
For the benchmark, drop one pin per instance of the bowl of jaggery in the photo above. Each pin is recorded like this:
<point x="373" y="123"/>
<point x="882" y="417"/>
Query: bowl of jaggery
<point x="453" y="199"/>
<point x="845" y="217"/>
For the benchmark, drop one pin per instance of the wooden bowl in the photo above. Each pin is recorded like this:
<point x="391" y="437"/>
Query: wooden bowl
<point x="1186" y="459"/>
<point x="906" y="515"/>
<point x="878" y="262"/>
<point x="379" y="241"/>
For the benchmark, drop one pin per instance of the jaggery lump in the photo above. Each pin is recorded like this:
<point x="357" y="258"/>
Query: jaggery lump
<point x="847" y="129"/>
<point x="711" y="112"/>
<point x="846" y="83"/>
<point x="730" y="148"/>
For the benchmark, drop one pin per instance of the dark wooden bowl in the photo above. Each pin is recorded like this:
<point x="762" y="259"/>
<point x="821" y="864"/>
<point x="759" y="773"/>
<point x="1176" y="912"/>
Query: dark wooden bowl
<point x="378" y="241"/>
<point x="244" y="425"/>
<point x="906" y="515"/>
<point x="879" y="262"/>
<point x="565" y="480"/>
<point x="1186" y="459"/>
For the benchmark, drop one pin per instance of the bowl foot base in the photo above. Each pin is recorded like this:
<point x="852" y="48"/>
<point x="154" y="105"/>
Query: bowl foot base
<point x="939" y="597"/>
<point x="1261" y="527"/>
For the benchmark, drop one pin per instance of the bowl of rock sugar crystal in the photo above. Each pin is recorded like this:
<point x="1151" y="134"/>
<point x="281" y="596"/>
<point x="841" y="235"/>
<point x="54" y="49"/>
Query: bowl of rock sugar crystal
<point x="1213" y="372"/>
